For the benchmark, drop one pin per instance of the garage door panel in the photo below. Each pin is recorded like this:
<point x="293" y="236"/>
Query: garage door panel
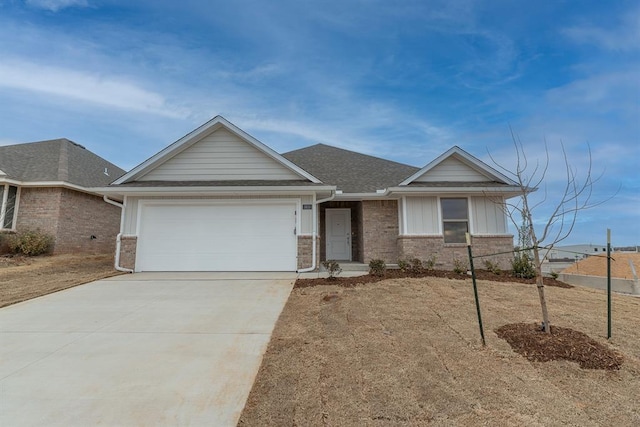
<point x="217" y="237"/>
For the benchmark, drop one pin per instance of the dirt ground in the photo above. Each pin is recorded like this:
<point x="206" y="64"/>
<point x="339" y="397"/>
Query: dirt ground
<point x="597" y="266"/>
<point x="23" y="278"/>
<point x="407" y="352"/>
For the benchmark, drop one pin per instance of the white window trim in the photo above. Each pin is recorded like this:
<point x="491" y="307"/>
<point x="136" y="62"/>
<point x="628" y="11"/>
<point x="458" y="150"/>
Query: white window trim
<point x="3" y="206"/>
<point x="441" y="219"/>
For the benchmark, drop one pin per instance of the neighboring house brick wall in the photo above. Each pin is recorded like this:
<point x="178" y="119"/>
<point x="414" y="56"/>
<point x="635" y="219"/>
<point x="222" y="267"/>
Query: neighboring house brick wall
<point x="38" y="208"/>
<point x="424" y="247"/>
<point x="71" y="217"/>
<point x="128" y="245"/>
<point x="82" y="216"/>
<point x="380" y="230"/>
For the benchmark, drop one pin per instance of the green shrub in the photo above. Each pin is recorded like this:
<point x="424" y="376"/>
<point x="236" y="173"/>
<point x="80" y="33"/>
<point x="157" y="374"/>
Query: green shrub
<point x="403" y="265"/>
<point x="377" y="267"/>
<point x="430" y="263"/>
<point x="332" y="267"/>
<point x="554" y="275"/>
<point x="459" y="266"/>
<point x="492" y="267"/>
<point x="522" y="266"/>
<point x="30" y="242"/>
<point x="415" y="266"/>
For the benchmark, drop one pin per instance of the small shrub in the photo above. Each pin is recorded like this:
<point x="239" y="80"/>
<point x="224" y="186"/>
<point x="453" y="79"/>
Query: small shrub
<point x="30" y="242"/>
<point x="459" y="266"/>
<point x="377" y="267"/>
<point x="415" y="266"/>
<point x="332" y="267"/>
<point x="403" y="265"/>
<point x="522" y="266"/>
<point x="430" y="263"/>
<point x="554" y="275"/>
<point x="492" y="267"/>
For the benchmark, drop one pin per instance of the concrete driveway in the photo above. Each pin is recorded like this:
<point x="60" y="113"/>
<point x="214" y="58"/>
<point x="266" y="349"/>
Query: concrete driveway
<point x="146" y="349"/>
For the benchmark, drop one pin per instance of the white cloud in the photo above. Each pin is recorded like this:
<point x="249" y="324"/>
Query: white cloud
<point x="624" y="37"/>
<point x="56" y="5"/>
<point x="108" y="91"/>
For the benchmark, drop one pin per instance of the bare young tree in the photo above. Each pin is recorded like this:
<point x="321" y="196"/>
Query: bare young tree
<point x="565" y="206"/>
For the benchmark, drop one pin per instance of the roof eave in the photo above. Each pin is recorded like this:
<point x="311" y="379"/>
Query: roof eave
<point x="48" y="184"/>
<point x="213" y="190"/>
<point x="510" y="191"/>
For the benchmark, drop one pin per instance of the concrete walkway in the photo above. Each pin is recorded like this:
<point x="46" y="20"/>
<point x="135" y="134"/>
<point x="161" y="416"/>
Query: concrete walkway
<point x="147" y="349"/>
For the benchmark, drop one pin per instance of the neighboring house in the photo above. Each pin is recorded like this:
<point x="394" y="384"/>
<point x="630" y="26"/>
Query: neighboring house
<point x="47" y="186"/>
<point x="220" y="200"/>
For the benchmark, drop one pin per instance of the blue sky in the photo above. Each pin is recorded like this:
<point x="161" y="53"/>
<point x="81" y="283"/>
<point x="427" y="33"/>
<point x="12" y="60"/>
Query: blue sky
<point x="401" y="80"/>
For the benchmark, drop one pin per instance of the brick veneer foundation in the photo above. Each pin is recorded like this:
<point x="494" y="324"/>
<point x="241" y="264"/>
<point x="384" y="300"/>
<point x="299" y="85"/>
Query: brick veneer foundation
<point x="128" y="245"/>
<point x="305" y="253"/>
<point x="71" y="217"/>
<point x="423" y="247"/>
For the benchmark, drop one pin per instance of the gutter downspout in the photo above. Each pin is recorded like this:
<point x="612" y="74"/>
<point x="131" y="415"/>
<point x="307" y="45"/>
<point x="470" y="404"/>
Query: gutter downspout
<point x="117" y="259"/>
<point x="315" y="231"/>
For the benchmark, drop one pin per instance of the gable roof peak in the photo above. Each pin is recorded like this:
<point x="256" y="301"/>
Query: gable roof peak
<point x="468" y="160"/>
<point x="199" y="134"/>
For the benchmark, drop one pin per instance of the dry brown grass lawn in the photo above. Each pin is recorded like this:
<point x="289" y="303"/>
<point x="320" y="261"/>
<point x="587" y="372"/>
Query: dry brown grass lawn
<point x="597" y="265"/>
<point x="25" y="278"/>
<point x="407" y="352"/>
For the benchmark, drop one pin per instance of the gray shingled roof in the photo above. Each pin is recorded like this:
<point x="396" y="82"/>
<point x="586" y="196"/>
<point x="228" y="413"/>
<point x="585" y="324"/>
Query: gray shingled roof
<point x="351" y="172"/>
<point x="56" y="160"/>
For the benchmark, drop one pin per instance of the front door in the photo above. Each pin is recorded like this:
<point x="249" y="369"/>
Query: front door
<point x="338" y="234"/>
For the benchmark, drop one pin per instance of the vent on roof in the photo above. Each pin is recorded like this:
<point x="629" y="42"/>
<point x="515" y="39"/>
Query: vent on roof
<point x="106" y="172"/>
<point x="78" y="145"/>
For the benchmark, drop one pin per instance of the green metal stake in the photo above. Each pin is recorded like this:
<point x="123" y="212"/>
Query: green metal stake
<point x="608" y="283"/>
<point x="475" y="288"/>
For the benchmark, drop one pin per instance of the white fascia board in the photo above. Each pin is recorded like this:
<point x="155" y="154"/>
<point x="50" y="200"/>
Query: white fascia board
<point x="511" y="191"/>
<point x="470" y="160"/>
<point x="211" y="191"/>
<point x="49" y="184"/>
<point x="197" y="134"/>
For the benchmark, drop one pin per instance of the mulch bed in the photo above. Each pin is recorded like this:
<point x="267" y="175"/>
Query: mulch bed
<point x="349" y="282"/>
<point x="529" y="340"/>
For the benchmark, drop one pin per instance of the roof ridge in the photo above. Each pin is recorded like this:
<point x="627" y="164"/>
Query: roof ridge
<point x="63" y="161"/>
<point x="350" y="151"/>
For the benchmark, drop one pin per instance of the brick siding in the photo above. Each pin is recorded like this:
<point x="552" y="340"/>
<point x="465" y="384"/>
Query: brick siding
<point x="305" y="253"/>
<point x="423" y="247"/>
<point x="71" y="217"/>
<point x="380" y="230"/>
<point x="128" y="245"/>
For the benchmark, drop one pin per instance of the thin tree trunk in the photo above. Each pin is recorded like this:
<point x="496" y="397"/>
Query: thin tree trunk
<point x="540" y="285"/>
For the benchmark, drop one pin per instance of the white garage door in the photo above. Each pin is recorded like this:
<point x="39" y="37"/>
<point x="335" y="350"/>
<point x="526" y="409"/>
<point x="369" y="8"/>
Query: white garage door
<point x="216" y="236"/>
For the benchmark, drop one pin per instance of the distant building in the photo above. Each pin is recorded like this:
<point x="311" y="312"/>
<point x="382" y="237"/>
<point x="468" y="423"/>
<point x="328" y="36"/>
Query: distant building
<point x="575" y="252"/>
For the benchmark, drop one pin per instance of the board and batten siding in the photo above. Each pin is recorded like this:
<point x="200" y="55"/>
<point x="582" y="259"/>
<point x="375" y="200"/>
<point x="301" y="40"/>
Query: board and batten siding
<point x="422" y="215"/>
<point x="452" y="170"/>
<point x="217" y="157"/>
<point x="488" y="216"/>
<point x="131" y="212"/>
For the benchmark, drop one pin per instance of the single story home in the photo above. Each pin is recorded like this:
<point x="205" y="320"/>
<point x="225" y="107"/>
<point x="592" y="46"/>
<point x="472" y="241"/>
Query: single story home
<point x="46" y="185"/>
<point x="220" y="200"/>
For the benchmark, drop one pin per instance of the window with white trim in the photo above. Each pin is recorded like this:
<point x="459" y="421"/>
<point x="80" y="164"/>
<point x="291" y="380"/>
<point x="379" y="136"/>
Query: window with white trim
<point x="8" y="200"/>
<point x="455" y="219"/>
